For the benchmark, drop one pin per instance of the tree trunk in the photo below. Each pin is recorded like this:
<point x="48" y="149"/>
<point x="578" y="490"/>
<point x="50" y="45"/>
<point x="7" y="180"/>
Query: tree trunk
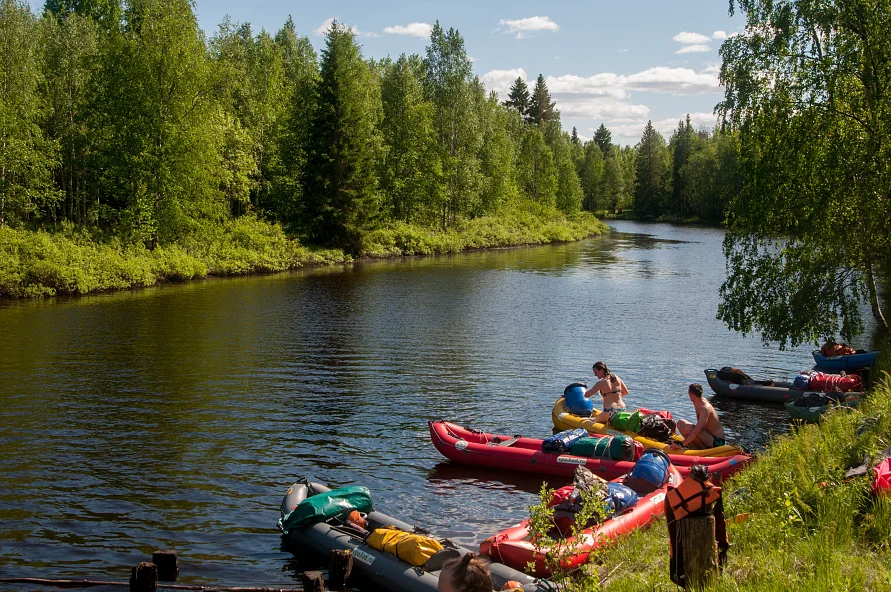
<point x="697" y="535"/>
<point x="874" y="298"/>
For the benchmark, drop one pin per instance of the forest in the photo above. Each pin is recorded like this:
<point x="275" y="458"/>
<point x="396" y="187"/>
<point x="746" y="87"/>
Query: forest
<point x="128" y="134"/>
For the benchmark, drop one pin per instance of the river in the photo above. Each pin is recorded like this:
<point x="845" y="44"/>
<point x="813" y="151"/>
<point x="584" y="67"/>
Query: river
<point x="176" y="417"/>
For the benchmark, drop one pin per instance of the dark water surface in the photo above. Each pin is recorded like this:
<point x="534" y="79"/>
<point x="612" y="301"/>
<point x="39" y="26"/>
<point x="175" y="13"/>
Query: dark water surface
<point x="177" y="417"/>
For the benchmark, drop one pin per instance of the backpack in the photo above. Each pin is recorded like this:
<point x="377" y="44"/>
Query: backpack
<point x="415" y="549"/>
<point x="656" y="427"/>
<point x="734" y="375"/>
<point x="626" y="421"/>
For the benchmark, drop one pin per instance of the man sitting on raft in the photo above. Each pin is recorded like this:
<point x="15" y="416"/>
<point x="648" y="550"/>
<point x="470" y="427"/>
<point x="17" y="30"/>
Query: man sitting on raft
<point x="708" y="432"/>
<point x="611" y="388"/>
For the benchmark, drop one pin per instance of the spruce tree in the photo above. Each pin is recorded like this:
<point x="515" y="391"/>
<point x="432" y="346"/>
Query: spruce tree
<point x="682" y="145"/>
<point x="518" y="98"/>
<point x="652" y="165"/>
<point x="574" y="138"/>
<point x="340" y="184"/>
<point x="301" y="74"/>
<point x="603" y="138"/>
<point x="541" y="107"/>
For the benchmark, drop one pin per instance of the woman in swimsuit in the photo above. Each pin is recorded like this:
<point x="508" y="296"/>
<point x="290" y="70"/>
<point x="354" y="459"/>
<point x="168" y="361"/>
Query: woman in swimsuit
<point x="611" y="388"/>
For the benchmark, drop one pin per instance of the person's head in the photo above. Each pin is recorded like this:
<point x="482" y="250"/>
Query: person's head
<point x="470" y="573"/>
<point x="600" y="370"/>
<point x="695" y="391"/>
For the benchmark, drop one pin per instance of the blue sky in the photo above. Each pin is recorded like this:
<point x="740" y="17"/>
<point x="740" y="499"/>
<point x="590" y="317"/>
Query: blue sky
<point x="612" y="62"/>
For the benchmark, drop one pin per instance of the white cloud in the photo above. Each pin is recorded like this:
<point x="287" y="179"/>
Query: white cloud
<point x="412" y="29"/>
<point x="609" y="97"/>
<point x="676" y="81"/>
<point x="685" y="37"/>
<point x="696" y="48"/>
<point x="713" y="68"/>
<point x="697" y="42"/>
<point x="526" y="26"/>
<point x="326" y="25"/>
<point x="623" y="50"/>
<point x="606" y="109"/>
<point x="631" y="132"/>
<point x="501" y="80"/>
<point x="701" y="119"/>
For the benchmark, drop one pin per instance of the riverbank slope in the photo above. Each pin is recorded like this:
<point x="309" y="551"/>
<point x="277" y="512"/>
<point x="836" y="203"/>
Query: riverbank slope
<point x="795" y="523"/>
<point x="76" y="261"/>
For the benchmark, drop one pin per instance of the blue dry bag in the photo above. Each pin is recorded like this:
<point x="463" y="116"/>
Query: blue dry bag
<point x="561" y="442"/>
<point x="574" y="395"/>
<point x="802" y="382"/>
<point x="650" y="472"/>
<point x="619" y="498"/>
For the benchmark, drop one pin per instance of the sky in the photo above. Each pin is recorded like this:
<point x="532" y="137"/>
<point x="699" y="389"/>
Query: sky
<point x="611" y="62"/>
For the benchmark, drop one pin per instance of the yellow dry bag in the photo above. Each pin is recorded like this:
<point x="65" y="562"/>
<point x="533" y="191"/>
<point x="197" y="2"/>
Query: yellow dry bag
<point x="415" y="549"/>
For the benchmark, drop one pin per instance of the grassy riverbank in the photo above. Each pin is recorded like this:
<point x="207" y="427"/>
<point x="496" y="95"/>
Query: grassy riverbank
<point x="802" y="526"/>
<point x="75" y="261"/>
<point x="665" y="218"/>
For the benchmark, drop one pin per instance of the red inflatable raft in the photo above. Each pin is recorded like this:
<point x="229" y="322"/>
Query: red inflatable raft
<point x="514" y="548"/>
<point x="461" y="445"/>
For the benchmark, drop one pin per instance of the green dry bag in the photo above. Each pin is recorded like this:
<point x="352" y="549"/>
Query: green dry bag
<point x="626" y="421"/>
<point x="613" y="447"/>
<point x="323" y="506"/>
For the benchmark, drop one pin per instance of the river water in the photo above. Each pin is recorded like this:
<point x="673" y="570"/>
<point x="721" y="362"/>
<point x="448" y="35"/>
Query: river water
<point x="177" y="417"/>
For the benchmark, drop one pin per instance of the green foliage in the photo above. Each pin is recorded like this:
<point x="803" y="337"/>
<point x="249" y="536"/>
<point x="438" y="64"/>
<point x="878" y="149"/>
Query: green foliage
<point x="451" y="88"/>
<point x="553" y="550"/>
<point x="411" y="172"/>
<point x="805" y="88"/>
<point x="123" y="119"/>
<point x="537" y="175"/>
<point x="27" y="157"/>
<point x="70" y="44"/>
<point x="569" y="188"/>
<point x="162" y="156"/>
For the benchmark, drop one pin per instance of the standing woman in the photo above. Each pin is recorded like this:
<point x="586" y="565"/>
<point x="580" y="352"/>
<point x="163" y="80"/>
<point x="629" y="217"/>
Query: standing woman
<point x="611" y="388"/>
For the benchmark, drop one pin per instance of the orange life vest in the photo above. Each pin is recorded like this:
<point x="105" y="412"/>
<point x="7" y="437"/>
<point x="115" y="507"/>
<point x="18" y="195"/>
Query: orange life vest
<point x="691" y="496"/>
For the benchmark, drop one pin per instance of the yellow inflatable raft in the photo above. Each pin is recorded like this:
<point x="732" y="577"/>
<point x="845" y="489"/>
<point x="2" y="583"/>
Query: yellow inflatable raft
<point x="566" y="420"/>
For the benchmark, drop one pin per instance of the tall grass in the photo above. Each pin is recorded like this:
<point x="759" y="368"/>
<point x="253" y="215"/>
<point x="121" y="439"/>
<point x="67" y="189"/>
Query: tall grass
<point x="73" y="261"/>
<point x="795" y="522"/>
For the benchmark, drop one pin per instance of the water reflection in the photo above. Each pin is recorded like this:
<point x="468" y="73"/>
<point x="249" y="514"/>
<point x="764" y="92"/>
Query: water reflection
<point x="176" y="417"/>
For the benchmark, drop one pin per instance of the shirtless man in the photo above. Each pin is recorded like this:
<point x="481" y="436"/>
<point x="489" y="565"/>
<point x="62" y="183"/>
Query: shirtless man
<point x="611" y="388"/>
<point x="708" y="431"/>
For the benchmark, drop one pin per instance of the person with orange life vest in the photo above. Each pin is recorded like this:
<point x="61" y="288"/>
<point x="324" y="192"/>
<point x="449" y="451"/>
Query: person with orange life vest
<point x="695" y="496"/>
